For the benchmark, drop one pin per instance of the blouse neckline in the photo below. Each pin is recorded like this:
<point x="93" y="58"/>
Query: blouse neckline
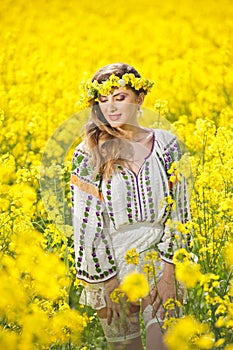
<point x="145" y="159"/>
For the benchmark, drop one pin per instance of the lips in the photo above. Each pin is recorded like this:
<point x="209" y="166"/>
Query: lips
<point x="114" y="117"/>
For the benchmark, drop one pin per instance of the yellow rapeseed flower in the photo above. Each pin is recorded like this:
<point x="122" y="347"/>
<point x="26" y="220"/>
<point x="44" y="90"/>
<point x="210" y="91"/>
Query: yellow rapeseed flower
<point x="152" y="257"/>
<point x="135" y="286"/>
<point x="117" y="295"/>
<point x="228" y="253"/>
<point x="229" y="347"/>
<point x="189" y="334"/>
<point x="132" y="256"/>
<point x="205" y="341"/>
<point x="171" y="304"/>
<point x="38" y="93"/>
<point x="188" y="273"/>
<point x="181" y="255"/>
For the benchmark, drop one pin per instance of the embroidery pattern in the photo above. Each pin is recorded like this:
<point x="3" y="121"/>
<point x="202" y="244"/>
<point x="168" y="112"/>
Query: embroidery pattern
<point x="86" y="187"/>
<point x="109" y="202"/>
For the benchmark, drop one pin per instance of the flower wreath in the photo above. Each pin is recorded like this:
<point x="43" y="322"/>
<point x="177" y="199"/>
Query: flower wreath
<point x="92" y="90"/>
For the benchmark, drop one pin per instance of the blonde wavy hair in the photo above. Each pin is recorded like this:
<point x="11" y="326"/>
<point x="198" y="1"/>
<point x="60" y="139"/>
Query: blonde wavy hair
<point x="105" y="143"/>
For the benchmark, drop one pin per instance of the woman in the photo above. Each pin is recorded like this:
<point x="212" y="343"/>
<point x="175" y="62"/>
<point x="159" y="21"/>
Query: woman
<point x="119" y="184"/>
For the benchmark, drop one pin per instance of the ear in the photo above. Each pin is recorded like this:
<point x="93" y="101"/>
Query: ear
<point x="140" y="99"/>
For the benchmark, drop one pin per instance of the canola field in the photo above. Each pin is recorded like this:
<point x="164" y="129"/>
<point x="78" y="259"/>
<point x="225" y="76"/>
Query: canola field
<point x="48" y="47"/>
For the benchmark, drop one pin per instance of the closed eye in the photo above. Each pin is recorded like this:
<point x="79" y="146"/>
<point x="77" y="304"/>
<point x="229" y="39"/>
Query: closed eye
<point x="103" y="99"/>
<point x="120" y="97"/>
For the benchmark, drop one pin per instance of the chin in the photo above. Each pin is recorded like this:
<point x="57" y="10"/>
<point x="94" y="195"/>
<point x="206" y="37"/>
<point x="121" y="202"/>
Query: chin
<point x="116" y="125"/>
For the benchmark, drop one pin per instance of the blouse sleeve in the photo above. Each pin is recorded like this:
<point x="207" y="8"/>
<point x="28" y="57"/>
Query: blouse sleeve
<point x="92" y="244"/>
<point x="174" y="236"/>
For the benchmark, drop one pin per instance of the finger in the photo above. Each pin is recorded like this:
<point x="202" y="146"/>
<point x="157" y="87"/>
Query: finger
<point x="109" y="315"/>
<point x="116" y="319"/>
<point x="171" y="313"/>
<point x="123" y="320"/>
<point x="156" y="305"/>
<point x="127" y="310"/>
<point x="153" y="295"/>
<point x="162" y="314"/>
<point x="124" y="314"/>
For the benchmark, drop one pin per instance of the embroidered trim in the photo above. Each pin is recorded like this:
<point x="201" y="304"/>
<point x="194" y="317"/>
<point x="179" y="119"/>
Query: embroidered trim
<point x="86" y="187"/>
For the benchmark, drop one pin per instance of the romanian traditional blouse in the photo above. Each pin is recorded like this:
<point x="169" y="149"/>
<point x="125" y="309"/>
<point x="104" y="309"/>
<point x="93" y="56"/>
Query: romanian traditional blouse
<point x="127" y="211"/>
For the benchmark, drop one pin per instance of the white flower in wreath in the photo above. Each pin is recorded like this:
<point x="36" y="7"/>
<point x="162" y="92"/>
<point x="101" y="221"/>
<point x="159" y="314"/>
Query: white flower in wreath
<point x="122" y="82"/>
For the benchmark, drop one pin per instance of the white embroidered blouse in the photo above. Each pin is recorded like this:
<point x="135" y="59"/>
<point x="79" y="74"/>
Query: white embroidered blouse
<point x="128" y="210"/>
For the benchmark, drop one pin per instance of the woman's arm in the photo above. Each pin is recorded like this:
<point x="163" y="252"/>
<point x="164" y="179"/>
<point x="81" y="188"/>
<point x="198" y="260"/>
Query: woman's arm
<point x="173" y="239"/>
<point x="93" y="248"/>
<point x="165" y="289"/>
<point x="178" y="200"/>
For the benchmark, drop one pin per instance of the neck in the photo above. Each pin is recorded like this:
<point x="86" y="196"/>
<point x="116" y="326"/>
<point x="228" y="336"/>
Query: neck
<point x="135" y="132"/>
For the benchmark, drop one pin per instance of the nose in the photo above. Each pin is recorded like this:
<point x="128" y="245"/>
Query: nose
<point x="112" y="106"/>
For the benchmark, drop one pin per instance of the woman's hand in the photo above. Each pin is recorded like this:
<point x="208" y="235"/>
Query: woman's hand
<point x="115" y="311"/>
<point x="165" y="289"/>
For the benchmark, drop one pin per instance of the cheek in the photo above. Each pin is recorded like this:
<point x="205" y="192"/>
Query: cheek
<point x="131" y="109"/>
<point x="103" y="108"/>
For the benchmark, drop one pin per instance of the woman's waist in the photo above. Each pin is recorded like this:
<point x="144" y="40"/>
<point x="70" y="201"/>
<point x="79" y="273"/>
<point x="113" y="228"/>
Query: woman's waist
<point x="136" y="235"/>
<point x="135" y="226"/>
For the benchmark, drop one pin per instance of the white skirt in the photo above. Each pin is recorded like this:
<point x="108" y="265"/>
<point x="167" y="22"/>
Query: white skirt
<point x="141" y="236"/>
